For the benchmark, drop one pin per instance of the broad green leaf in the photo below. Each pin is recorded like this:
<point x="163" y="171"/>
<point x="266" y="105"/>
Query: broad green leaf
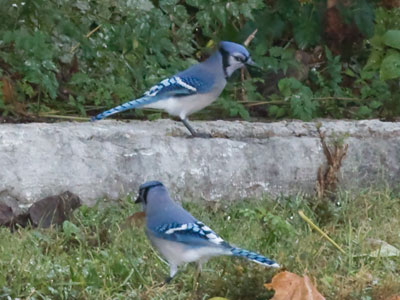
<point x="392" y="38"/>
<point x="364" y="15"/>
<point x="390" y="67"/>
<point x="374" y="60"/>
<point x="70" y="229"/>
<point x="377" y="42"/>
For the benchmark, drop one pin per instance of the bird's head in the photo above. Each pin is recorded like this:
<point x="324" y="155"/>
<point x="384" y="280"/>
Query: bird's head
<point x="234" y="56"/>
<point x="144" y="190"/>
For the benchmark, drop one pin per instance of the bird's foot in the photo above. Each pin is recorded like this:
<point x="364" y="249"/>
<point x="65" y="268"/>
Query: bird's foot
<point x="168" y="280"/>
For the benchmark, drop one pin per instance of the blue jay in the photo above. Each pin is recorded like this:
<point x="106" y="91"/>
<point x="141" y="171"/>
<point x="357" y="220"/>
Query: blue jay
<point x="179" y="237"/>
<point x="193" y="89"/>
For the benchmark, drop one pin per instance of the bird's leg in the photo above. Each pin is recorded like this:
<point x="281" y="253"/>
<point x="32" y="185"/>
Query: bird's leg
<point x="198" y="273"/>
<point x="193" y="132"/>
<point x="172" y="271"/>
<point x="187" y="125"/>
<point x="168" y="280"/>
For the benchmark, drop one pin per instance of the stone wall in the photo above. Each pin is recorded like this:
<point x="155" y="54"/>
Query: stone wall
<point x="109" y="159"/>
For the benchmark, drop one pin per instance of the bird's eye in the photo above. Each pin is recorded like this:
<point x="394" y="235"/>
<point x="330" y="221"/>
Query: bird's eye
<point x="239" y="58"/>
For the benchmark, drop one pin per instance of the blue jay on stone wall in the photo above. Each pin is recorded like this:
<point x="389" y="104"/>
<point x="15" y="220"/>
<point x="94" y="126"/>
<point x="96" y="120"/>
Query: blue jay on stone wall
<point x="179" y="237"/>
<point x="193" y="89"/>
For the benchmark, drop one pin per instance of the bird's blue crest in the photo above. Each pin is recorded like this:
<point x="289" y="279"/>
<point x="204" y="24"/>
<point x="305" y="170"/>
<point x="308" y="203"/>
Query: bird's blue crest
<point x="231" y="47"/>
<point x="150" y="184"/>
<point x="144" y="189"/>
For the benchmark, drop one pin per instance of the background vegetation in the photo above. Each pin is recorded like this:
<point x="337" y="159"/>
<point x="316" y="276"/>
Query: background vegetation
<point x="91" y="257"/>
<point x="334" y="58"/>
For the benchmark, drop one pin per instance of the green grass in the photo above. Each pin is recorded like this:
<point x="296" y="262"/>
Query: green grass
<point x="92" y="258"/>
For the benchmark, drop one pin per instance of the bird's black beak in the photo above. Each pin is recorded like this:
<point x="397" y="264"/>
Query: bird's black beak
<point x="139" y="199"/>
<point x="251" y="63"/>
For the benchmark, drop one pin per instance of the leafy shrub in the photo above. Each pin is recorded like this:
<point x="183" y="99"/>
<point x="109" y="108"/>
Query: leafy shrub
<point x="80" y="57"/>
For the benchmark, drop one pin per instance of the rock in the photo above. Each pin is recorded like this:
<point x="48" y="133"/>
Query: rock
<point x="109" y="159"/>
<point x="6" y="215"/>
<point x="53" y="210"/>
<point x="11" y="220"/>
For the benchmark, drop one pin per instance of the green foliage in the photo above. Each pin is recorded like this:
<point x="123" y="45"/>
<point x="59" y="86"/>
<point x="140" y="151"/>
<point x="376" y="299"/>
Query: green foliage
<point x="385" y="53"/>
<point x="300" y="97"/>
<point x="81" y="57"/>
<point x="361" y="13"/>
<point x="276" y="227"/>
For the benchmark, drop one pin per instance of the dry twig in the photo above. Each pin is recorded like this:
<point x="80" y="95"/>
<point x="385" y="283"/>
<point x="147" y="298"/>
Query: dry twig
<point x="86" y="36"/>
<point x="327" y="177"/>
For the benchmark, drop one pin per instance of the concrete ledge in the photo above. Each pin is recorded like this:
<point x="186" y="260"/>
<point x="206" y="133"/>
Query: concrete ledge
<point x="110" y="158"/>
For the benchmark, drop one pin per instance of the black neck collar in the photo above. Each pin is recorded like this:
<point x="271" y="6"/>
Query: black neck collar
<point x="225" y="60"/>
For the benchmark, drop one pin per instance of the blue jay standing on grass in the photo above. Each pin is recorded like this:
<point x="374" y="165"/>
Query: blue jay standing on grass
<point x="193" y="89"/>
<point x="179" y="237"/>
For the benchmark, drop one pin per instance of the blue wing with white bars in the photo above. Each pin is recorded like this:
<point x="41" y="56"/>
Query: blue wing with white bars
<point x="175" y="86"/>
<point x="193" y="234"/>
<point x="199" y="235"/>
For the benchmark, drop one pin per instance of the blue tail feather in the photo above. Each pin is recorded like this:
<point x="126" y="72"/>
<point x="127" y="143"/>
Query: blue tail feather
<point x="257" y="258"/>
<point x="136" y="103"/>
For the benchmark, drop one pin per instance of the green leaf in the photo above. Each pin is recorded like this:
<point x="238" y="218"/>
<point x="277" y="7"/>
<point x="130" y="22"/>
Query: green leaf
<point x="392" y="38"/>
<point x="146" y="5"/>
<point x="276" y="51"/>
<point x="70" y="229"/>
<point x="306" y="27"/>
<point x="244" y="114"/>
<point x="273" y="109"/>
<point x="375" y="104"/>
<point x="374" y="60"/>
<point x="276" y="111"/>
<point x="220" y="13"/>
<point x="288" y="85"/>
<point x="349" y="72"/>
<point x="364" y="15"/>
<point x="261" y="49"/>
<point x="364" y="111"/>
<point x="390" y="67"/>
<point x="300" y="97"/>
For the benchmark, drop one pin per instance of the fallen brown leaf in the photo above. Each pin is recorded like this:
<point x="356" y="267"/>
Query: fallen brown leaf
<point x="289" y="286"/>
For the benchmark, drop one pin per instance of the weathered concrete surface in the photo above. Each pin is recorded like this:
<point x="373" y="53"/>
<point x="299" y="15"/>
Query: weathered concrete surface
<point x="110" y="159"/>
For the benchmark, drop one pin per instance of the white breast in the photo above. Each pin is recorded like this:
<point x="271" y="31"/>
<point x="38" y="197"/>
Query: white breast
<point x="183" y="107"/>
<point x="178" y="253"/>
